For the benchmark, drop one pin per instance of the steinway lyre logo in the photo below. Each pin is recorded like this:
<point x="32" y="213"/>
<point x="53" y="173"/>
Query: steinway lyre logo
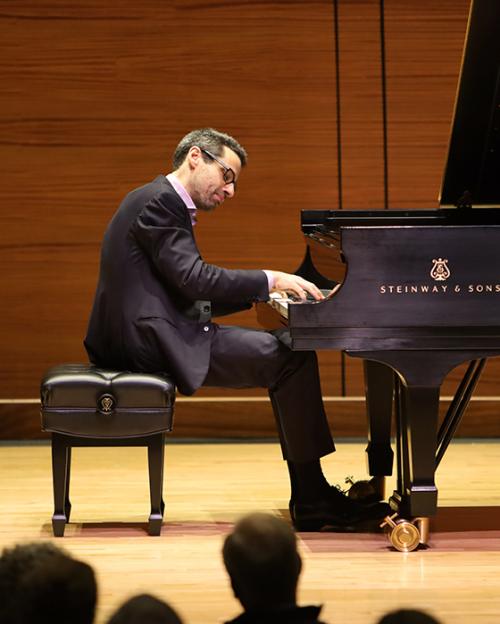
<point x="440" y="271"/>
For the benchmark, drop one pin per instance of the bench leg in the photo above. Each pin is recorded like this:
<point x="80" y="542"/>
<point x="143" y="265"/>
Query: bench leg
<point x="67" y="503"/>
<point x="156" y="455"/>
<point x="61" y="458"/>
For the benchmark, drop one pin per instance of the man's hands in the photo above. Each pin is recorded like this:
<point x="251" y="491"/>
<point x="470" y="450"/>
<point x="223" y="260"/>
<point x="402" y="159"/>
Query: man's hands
<point x="299" y="287"/>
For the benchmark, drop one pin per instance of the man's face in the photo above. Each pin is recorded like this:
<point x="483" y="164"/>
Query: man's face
<point x="207" y="186"/>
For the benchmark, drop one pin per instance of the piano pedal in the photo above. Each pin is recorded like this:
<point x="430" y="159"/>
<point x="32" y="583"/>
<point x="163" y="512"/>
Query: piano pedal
<point x="405" y="535"/>
<point x="366" y="491"/>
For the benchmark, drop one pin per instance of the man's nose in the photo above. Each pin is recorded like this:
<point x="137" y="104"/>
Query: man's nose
<point x="229" y="189"/>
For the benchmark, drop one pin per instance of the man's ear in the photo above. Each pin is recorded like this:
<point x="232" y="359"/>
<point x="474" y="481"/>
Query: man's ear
<point x="194" y="157"/>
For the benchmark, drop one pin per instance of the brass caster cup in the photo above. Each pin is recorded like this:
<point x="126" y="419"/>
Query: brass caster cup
<point x="402" y="534"/>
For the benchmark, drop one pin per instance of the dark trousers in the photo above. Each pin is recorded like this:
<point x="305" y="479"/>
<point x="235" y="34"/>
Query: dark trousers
<point x="248" y="358"/>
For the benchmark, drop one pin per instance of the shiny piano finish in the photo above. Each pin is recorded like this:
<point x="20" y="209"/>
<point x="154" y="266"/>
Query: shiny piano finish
<point x="388" y="299"/>
<point x="419" y="294"/>
<point x="420" y="289"/>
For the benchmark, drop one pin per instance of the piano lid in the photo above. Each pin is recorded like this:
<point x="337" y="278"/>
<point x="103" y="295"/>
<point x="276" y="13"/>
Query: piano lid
<point x="472" y="173"/>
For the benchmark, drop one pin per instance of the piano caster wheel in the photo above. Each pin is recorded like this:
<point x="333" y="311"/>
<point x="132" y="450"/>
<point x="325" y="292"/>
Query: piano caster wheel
<point x="423" y="528"/>
<point x="372" y="490"/>
<point x="403" y="534"/>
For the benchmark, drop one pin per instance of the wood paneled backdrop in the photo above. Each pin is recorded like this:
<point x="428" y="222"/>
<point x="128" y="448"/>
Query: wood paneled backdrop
<point x="95" y="96"/>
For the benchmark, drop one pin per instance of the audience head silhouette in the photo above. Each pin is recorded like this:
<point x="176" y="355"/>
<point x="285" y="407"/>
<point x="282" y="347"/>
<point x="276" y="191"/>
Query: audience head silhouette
<point x="407" y="616"/>
<point x="262" y="561"/>
<point x="145" y="609"/>
<point x="40" y="583"/>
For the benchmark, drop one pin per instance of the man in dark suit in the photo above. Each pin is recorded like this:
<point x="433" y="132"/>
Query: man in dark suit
<point x="155" y="300"/>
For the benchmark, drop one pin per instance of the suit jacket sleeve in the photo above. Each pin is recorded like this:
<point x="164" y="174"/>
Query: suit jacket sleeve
<point x="163" y="230"/>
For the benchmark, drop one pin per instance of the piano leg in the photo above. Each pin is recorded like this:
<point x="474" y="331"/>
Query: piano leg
<point x="379" y="391"/>
<point x="419" y="378"/>
<point x="417" y="411"/>
<point x="419" y="375"/>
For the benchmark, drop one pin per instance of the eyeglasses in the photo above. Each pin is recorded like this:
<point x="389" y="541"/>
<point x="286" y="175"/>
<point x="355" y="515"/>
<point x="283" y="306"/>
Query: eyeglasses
<point x="227" y="173"/>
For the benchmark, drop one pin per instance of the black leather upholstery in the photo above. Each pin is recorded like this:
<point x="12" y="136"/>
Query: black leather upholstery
<point x="87" y="406"/>
<point x="82" y="400"/>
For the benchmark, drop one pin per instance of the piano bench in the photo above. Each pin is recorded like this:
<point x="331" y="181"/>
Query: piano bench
<point x="82" y="405"/>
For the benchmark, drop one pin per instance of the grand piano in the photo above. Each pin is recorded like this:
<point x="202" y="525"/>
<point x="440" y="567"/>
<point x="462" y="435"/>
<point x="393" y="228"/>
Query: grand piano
<point x="416" y="292"/>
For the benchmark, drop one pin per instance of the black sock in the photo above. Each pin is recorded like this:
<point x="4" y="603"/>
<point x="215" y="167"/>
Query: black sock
<point x="307" y="481"/>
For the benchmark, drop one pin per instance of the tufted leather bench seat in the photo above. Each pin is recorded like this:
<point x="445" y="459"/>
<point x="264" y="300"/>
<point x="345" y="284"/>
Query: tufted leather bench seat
<point x="82" y="405"/>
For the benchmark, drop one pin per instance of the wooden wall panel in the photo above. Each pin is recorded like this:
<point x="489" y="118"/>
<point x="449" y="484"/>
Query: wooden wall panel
<point x="361" y="117"/>
<point x="424" y="41"/>
<point x="361" y="104"/>
<point x="94" y="101"/>
<point x="221" y="418"/>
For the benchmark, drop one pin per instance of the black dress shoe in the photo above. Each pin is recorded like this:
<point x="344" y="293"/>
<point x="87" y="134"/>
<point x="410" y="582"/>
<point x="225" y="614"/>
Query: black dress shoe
<point x="336" y="512"/>
<point x="366" y="491"/>
<point x="341" y="499"/>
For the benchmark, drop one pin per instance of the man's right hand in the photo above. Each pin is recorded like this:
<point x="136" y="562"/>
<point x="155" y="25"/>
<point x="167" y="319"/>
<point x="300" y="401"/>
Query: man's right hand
<point x="296" y="285"/>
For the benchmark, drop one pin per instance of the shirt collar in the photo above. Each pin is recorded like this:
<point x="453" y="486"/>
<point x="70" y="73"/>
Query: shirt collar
<point x="184" y="195"/>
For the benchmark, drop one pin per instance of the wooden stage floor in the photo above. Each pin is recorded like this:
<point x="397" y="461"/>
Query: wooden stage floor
<point x="209" y="486"/>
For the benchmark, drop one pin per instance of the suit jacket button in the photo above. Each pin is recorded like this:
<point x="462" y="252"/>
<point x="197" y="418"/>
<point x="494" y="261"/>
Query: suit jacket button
<point x="206" y="328"/>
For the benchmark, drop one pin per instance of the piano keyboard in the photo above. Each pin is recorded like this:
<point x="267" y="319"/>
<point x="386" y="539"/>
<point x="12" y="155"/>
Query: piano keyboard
<point x="279" y="301"/>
